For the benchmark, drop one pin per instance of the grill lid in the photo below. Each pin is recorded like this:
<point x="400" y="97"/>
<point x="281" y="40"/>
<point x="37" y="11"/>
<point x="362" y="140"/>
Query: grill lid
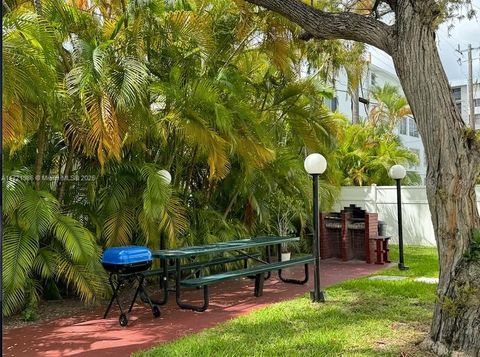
<point x="126" y="255"/>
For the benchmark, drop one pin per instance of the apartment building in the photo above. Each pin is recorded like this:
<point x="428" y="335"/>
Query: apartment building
<point x="460" y="95"/>
<point x="377" y="76"/>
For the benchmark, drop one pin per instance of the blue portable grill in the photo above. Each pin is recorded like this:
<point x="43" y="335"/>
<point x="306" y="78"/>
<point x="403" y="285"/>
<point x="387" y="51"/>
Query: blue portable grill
<point x="127" y="260"/>
<point x="127" y="264"/>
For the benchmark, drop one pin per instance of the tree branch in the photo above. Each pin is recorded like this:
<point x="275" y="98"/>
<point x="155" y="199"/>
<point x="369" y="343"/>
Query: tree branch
<point x="327" y="26"/>
<point x="392" y="4"/>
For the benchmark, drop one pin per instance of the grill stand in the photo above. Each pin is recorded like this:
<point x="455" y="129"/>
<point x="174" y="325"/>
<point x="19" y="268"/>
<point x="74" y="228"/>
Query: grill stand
<point x="120" y="280"/>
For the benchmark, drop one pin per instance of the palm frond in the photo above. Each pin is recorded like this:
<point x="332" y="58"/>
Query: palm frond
<point x="88" y="280"/>
<point x="37" y="211"/>
<point x="77" y="241"/>
<point x="119" y="227"/>
<point x="19" y="250"/>
<point x="45" y="263"/>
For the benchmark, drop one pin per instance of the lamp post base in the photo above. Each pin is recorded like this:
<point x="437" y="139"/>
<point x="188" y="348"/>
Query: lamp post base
<point x="319" y="298"/>
<point x="401" y="266"/>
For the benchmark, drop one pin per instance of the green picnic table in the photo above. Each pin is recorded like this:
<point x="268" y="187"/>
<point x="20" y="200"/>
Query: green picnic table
<point x="241" y="250"/>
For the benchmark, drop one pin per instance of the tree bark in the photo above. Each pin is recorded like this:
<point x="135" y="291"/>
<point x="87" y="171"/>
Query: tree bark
<point x="63" y="181"/>
<point x="453" y="153"/>
<point x="453" y="165"/>
<point x="37" y="4"/>
<point x="230" y="205"/>
<point x="326" y="26"/>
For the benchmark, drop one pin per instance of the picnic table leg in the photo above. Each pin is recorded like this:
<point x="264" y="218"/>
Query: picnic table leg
<point x="164" y="275"/>
<point x="163" y="286"/>
<point x="267" y="253"/>
<point x="178" y="297"/>
<point x="259" y="285"/>
<point x="279" y="258"/>
<point x="295" y="281"/>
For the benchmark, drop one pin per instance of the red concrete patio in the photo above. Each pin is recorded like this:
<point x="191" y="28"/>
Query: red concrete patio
<point x="93" y="336"/>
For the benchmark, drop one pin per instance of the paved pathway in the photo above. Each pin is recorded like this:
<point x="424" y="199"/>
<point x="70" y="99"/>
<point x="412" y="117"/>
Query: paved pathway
<point x="93" y="336"/>
<point x="421" y="279"/>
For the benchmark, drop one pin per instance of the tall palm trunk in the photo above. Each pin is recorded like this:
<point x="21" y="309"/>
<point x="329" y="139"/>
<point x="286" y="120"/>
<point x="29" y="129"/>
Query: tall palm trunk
<point x="37" y="4"/>
<point x="63" y="181"/>
<point x="355" y="95"/>
<point x="41" y="141"/>
<point x="41" y="144"/>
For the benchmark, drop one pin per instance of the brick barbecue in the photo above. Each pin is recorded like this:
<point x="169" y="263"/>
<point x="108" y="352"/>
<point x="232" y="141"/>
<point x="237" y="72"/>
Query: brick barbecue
<point x="347" y="234"/>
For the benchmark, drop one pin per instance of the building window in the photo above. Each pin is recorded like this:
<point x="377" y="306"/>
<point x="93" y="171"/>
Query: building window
<point x="412" y="126"/>
<point x="477" y="121"/>
<point x="402" y="126"/>
<point x="332" y="104"/>
<point x="335" y="104"/>
<point x="457" y="94"/>
<point x="373" y="79"/>
<point x="476" y="102"/>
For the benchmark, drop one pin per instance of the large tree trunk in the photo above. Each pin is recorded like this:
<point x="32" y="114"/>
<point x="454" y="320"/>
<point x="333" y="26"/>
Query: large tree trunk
<point x="453" y="165"/>
<point x="453" y="153"/>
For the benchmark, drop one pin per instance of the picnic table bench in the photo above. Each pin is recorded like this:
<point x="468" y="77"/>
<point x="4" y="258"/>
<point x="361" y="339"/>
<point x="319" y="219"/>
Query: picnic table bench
<point x="199" y="265"/>
<point x="240" y="247"/>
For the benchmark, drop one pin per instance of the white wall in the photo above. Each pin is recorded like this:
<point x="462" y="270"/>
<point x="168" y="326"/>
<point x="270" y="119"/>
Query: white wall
<point x="417" y="224"/>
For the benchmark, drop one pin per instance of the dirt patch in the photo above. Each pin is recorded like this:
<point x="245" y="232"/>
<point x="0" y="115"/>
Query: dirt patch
<point x="408" y="342"/>
<point x="52" y="310"/>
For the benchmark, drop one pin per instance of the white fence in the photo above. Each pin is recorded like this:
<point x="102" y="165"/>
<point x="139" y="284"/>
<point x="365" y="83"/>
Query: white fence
<point x="417" y="224"/>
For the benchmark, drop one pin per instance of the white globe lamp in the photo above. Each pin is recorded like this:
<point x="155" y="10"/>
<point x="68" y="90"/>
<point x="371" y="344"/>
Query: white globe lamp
<point x="397" y="172"/>
<point x="315" y="164"/>
<point x="165" y="175"/>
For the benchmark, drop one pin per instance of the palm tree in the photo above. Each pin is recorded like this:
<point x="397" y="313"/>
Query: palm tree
<point x="391" y="107"/>
<point x="42" y="244"/>
<point x="28" y="75"/>
<point x="366" y="154"/>
<point x="103" y="96"/>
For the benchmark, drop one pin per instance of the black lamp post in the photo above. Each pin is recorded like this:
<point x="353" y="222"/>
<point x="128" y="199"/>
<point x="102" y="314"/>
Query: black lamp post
<point x="398" y="172"/>
<point x="315" y="164"/>
<point x="168" y="179"/>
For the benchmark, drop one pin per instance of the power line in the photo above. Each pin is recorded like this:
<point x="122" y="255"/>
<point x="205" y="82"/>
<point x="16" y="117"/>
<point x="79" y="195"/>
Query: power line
<point x="447" y="41"/>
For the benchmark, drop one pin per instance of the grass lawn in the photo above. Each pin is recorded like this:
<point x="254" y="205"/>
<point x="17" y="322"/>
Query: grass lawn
<point x="362" y="317"/>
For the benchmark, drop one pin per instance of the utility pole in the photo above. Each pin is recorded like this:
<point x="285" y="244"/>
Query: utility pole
<point x="470" y="89"/>
<point x="471" y="107"/>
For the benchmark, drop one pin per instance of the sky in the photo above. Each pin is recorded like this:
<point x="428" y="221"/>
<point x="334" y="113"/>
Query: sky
<point x="464" y="32"/>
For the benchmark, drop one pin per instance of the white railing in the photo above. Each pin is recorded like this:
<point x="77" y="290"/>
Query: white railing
<point x="417" y="224"/>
